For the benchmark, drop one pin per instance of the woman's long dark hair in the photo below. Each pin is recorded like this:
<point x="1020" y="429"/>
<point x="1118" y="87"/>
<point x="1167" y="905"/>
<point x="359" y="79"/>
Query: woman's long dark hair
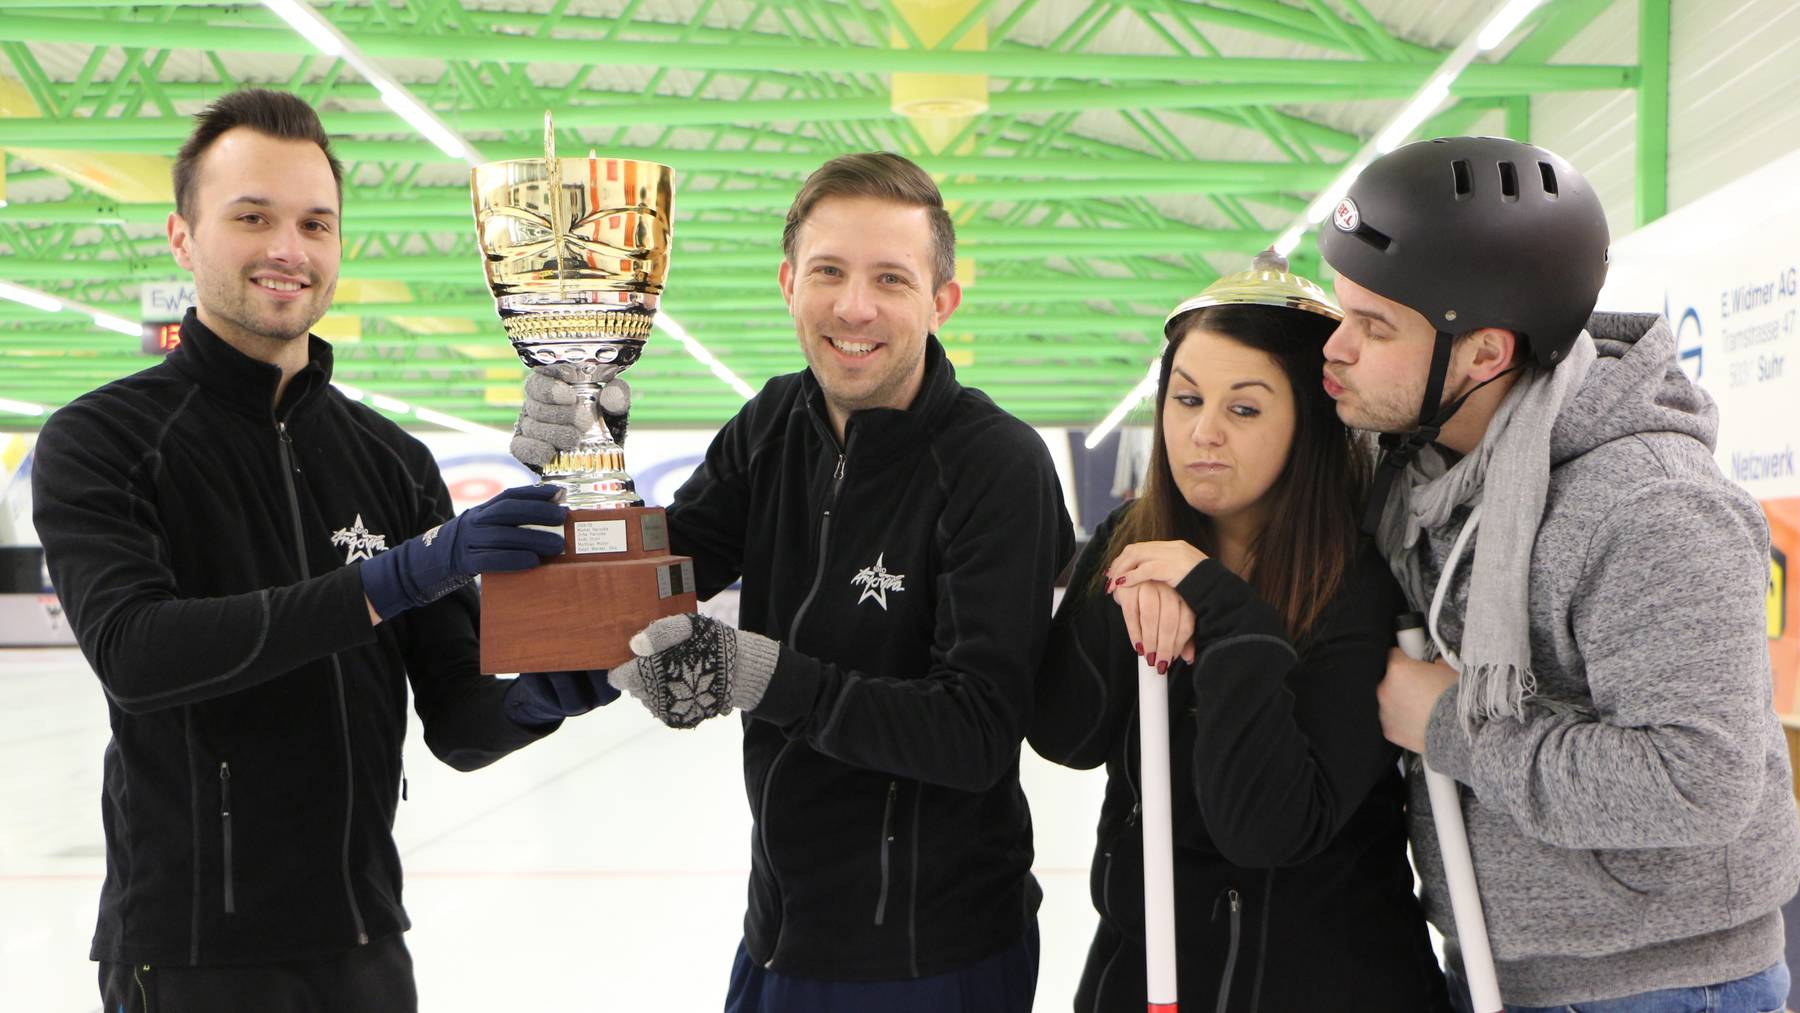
<point x="1298" y="560"/>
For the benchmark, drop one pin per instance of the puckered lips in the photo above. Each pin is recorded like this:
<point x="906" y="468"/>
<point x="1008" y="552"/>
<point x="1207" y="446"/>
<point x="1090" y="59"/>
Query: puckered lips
<point x="1333" y="389"/>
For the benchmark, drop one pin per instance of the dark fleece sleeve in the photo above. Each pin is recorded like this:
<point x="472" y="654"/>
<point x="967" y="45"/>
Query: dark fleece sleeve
<point x="461" y="709"/>
<point x="1087" y="683"/>
<point x="152" y="649"/>
<point x="708" y="516"/>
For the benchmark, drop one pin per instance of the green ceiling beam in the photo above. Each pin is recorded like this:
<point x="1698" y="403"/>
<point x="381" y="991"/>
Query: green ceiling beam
<point x="448" y="209"/>
<point x="760" y="285"/>
<point x="817" y="151"/>
<point x="73" y="133"/>
<point x="1518" y="118"/>
<point x="1653" y="111"/>
<point x="1386" y="44"/>
<point x="1268" y="19"/>
<point x="1103" y="327"/>
<point x="1275" y="27"/>
<point x="980" y="243"/>
<point x="760" y="165"/>
<point x="624" y="28"/>
<point x="1554" y="25"/>
<point x="1001" y="63"/>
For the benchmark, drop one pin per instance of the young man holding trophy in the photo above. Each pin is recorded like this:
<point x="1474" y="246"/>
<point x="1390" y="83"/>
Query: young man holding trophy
<point x="898" y="537"/>
<point x="256" y="568"/>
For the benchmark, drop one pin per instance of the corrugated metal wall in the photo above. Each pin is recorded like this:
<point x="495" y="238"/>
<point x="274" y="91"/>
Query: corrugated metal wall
<point x="1734" y="99"/>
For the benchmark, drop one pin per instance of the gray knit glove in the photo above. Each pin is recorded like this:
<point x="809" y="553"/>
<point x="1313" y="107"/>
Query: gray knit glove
<point x="689" y="668"/>
<point x="551" y="420"/>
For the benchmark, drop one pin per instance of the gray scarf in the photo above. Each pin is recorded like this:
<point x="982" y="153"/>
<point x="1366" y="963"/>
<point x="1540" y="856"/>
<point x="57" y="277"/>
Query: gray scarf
<point x="1509" y="475"/>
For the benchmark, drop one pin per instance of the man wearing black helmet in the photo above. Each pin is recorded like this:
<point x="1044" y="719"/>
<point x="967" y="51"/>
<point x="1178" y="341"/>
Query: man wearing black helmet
<point x="1625" y="785"/>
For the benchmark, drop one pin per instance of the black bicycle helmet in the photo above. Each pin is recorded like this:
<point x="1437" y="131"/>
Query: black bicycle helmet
<point x="1471" y="232"/>
<point x="1476" y="232"/>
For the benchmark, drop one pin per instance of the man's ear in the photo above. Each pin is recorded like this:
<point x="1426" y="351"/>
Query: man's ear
<point x="1494" y="349"/>
<point x="180" y="236"/>
<point x="786" y="279"/>
<point x="944" y="302"/>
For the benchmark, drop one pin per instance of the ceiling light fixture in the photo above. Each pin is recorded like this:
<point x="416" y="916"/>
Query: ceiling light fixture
<point x="22" y="407"/>
<point x="30" y="297"/>
<point x="326" y="38"/>
<point x="705" y="358"/>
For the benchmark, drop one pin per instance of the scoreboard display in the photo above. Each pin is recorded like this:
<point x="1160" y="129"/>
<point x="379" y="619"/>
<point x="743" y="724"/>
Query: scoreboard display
<point x="161" y="338"/>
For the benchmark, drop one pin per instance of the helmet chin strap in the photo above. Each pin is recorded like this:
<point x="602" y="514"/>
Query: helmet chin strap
<point x="1398" y="449"/>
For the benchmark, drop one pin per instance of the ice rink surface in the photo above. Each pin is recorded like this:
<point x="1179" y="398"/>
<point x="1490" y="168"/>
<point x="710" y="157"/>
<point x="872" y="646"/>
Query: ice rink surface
<point x="602" y="869"/>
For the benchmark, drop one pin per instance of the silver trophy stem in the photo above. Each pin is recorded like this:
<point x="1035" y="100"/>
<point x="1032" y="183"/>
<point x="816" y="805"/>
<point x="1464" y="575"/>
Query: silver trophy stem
<point x="592" y="473"/>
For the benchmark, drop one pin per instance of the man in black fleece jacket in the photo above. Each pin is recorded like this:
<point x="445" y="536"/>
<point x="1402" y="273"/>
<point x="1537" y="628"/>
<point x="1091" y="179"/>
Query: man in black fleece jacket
<point x="255" y="566"/>
<point x="898" y="537"/>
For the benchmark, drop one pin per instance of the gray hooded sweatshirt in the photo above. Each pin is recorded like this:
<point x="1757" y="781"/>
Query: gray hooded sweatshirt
<point x="1635" y="829"/>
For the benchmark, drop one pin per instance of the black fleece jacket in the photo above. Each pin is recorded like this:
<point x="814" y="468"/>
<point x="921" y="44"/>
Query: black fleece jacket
<point x="207" y="549"/>
<point x="1292" y="888"/>
<point x="908" y="576"/>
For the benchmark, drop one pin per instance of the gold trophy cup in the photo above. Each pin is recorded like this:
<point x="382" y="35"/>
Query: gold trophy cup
<point x="576" y="251"/>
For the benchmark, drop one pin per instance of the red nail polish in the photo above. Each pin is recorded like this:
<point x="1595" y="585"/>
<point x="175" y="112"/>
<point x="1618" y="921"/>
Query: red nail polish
<point x="1140" y="648"/>
<point x="1151" y="658"/>
<point x="1162" y="669"/>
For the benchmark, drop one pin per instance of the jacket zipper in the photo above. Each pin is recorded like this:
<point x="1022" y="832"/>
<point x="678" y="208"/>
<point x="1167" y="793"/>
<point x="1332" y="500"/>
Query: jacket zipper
<point x="837" y="484"/>
<point x="287" y="475"/>
<point x="887" y="838"/>
<point x="1262" y="942"/>
<point x="1131" y="756"/>
<point x="1231" y="952"/>
<point x="1106" y="907"/>
<point x="762" y="820"/>
<point x="912" y="905"/>
<point x="225" y="830"/>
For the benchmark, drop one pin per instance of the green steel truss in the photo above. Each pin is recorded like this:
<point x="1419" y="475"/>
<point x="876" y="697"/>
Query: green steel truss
<point x="1085" y="200"/>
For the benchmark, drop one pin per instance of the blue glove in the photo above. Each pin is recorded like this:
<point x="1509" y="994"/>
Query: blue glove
<point x="542" y="698"/>
<point x="481" y="539"/>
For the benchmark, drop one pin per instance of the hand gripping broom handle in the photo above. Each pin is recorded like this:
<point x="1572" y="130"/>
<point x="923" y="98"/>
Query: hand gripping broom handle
<point x="1453" y="845"/>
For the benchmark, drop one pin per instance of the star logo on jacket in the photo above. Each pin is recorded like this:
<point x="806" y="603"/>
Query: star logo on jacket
<point x="358" y="541"/>
<point x="876" y="582"/>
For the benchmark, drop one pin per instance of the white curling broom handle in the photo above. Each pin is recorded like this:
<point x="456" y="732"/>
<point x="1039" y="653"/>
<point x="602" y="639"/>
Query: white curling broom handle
<point x="1159" y="846"/>
<point x="1459" y="869"/>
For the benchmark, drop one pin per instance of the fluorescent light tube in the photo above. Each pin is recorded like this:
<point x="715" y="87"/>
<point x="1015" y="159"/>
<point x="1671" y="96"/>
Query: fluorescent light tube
<point x="30" y="297"/>
<point x="303" y="19"/>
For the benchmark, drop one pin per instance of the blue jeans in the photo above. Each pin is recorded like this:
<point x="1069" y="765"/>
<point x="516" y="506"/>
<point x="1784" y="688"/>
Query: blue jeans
<point x="1763" y="992"/>
<point x="1003" y="983"/>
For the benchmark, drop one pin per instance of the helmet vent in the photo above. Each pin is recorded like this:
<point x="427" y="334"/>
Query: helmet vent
<point x="1549" y="174"/>
<point x="1465" y="184"/>
<point x="1377" y="239"/>
<point x="1509" y="181"/>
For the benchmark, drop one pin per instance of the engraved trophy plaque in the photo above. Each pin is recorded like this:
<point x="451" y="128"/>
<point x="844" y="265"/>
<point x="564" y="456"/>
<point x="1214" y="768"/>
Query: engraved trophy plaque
<point x="576" y="251"/>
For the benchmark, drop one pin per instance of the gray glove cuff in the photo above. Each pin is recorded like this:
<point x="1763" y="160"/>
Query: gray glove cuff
<point x="756" y="659"/>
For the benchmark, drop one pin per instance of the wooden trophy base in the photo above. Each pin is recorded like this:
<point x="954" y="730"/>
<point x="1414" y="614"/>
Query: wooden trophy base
<point x="579" y="610"/>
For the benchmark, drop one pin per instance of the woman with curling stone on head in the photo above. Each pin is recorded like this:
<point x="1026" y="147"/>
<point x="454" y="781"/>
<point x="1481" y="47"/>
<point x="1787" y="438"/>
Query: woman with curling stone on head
<point x="1241" y="575"/>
